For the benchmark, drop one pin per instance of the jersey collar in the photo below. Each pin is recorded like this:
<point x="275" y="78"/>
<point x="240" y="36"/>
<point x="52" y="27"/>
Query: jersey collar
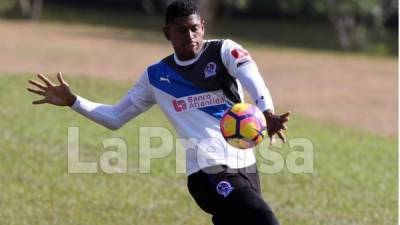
<point x="190" y="61"/>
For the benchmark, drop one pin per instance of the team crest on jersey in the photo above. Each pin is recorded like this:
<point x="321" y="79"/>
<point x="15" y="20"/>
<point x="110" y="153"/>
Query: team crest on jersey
<point x="224" y="188"/>
<point x="210" y="70"/>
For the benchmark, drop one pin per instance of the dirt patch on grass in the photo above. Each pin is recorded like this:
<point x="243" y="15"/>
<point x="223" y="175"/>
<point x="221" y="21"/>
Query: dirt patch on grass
<point x="352" y="90"/>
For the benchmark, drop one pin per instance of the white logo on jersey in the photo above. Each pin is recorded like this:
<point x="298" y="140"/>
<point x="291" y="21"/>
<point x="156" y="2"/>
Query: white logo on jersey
<point x="166" y="79"/>
<point x="210" y="69"/>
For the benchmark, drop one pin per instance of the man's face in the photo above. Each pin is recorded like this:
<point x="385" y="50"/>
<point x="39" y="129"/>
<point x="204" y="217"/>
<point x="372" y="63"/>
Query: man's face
<point x="186" y="35"/>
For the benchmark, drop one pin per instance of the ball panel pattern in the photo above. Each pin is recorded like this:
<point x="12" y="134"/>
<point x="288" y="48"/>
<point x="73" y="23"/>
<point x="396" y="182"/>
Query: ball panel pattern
<point x="228" y="126"/>
<point x="243" y="126"/>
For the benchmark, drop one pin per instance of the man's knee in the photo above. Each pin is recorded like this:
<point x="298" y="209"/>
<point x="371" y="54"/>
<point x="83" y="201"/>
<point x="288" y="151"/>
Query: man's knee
<point x="251" y="207"/>
<point x="263" y="215"/>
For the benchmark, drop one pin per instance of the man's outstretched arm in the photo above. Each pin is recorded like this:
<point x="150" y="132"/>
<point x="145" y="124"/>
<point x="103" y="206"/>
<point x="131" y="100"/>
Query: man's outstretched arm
<point x="110" y="116"/>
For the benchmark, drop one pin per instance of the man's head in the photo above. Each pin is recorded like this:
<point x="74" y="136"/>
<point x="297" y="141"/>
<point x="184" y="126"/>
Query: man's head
<point x="184" y="28"/>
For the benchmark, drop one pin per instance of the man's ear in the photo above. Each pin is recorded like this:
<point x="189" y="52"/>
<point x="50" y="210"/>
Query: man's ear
<point x="166" y="32"/>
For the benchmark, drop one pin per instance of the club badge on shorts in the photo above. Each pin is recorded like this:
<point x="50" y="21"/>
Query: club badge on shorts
<point x="224" y="188"/>
<point x="210" y="69"/>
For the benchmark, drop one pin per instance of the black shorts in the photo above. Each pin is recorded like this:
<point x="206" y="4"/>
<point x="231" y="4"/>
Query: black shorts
<point x="231" y="196"/>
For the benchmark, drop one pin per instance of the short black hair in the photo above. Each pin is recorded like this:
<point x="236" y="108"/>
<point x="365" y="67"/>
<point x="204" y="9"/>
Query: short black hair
<point x="180" y="8"/>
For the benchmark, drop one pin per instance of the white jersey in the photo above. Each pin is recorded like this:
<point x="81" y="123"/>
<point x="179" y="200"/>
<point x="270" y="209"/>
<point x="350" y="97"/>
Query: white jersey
<point x="193" y="95"/>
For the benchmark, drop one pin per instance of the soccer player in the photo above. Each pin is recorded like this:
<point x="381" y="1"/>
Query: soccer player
<point x="193" y="87"/>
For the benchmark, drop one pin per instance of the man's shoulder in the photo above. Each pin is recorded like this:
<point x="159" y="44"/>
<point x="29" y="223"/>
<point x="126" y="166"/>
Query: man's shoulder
<point x="215" y="42"/>
<point x="221" y="41"/>
<point x="223" y="45"/>
<point x="160" y="62"/>
<point x="159" y="67"/>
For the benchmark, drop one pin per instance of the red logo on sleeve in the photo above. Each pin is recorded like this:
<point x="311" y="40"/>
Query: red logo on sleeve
<point x="239" y="53"/>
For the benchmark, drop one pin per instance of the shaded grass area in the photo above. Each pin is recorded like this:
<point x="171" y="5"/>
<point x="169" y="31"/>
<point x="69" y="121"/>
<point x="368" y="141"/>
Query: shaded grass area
<point x="277" y="34"/>
<point x="265" y="32"/>
<point x="303" y="34"/>
<point x="354" y="179"/>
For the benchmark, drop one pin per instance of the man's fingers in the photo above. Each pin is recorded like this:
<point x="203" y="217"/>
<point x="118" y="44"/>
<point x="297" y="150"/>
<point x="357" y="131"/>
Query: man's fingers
<point x="61" y="78"/>
<point x="277" y="126"/>
<point x="45" y="80"/>
<point x="37" y="84"/>
<point x="281" y="136"/>
<point x="286" y="115"/>
<point x="36" y="91"/>
<point x="39" y="101"/>
<point x="271" y="140"/>
<point x="270" y="133"/>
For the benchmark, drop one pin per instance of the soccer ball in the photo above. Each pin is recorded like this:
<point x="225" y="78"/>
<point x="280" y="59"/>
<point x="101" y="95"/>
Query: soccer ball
<point x="243" y="126"/>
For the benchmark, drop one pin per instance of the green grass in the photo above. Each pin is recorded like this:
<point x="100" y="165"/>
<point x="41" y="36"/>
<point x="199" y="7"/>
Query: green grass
<point x="354" y="179"/>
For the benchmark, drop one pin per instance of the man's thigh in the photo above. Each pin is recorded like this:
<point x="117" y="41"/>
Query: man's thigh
<point x="232" y="196"/>
<point x="245" y="206"/>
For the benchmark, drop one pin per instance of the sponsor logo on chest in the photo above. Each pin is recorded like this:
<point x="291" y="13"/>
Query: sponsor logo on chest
<point x="197" y="101"/>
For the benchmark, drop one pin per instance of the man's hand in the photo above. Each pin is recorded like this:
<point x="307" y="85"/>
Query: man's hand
<point x="276" y="124"/>
<point x="59" y="95"/>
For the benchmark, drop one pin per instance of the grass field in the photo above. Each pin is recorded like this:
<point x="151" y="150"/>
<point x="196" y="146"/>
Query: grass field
<point x="355" y="178"/>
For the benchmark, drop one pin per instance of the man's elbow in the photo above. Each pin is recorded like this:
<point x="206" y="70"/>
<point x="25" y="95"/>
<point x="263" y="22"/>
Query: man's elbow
<point x="113" y="126"/>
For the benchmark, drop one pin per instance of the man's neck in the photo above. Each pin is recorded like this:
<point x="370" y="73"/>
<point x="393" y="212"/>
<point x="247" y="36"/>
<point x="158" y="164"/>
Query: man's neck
<point x="186" y="62"/>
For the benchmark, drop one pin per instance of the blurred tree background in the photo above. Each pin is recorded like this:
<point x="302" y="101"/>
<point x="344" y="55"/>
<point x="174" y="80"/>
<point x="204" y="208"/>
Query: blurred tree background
<point x="369" y="26"/>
